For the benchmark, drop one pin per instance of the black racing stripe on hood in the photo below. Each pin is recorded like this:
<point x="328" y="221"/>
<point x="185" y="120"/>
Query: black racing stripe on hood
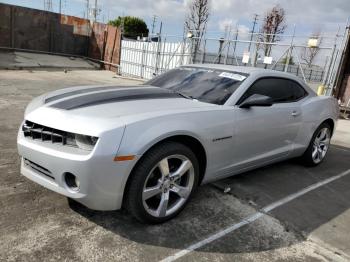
<point x="80" y="91"/>
<point x="114" y="96"/>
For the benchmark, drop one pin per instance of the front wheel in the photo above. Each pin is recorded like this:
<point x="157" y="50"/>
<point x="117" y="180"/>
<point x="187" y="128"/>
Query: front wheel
<point x="319" y="146"/>
<point x="162" y="183"/>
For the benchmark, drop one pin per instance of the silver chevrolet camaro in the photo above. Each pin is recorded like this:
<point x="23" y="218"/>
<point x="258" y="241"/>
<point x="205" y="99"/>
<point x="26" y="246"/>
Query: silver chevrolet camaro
<point x="148" y="147"/>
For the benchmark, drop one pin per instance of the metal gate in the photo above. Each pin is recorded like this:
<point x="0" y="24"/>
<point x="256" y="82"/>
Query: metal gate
<point x="147" y="59"/>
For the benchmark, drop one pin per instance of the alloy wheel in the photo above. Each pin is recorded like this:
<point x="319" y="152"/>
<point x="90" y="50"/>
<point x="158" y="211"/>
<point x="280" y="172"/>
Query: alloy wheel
<point x="321" y="145"/>
<point x="168" y="185"/>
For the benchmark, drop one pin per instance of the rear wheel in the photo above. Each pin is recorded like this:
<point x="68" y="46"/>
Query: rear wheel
<point x="318" y="147"/>
<point x="162" y="183"/>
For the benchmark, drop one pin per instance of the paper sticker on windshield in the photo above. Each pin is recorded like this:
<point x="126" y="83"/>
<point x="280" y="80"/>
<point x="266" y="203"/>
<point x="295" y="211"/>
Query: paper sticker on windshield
<point x="233" y="76"/>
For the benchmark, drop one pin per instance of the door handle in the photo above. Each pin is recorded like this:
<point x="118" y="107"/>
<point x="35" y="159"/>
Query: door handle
<point x="295" y="113"/>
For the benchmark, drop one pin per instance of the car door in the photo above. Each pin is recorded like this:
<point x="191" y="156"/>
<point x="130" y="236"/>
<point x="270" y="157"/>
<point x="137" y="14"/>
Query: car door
<point x="264" y="134"/>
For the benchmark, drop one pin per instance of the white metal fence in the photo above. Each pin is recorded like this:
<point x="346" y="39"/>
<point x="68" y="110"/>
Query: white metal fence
<point x="145" y="59"/>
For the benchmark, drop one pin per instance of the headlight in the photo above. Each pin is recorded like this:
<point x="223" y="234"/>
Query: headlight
<point x="48" y="134"/>
<point x="85" y="142"/>
<point x="81" y="141"/>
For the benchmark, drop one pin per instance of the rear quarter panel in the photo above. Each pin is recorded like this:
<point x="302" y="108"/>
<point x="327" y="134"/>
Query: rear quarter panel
<point x="315" y="110"/>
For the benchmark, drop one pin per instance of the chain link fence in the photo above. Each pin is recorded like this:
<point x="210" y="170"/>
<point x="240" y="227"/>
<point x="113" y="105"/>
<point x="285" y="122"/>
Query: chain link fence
<point x="312" y="74"/>
<point x="292" y="54"/>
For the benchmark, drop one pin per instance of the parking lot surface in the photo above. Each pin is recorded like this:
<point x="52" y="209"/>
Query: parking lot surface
<point x="283" y="212"/>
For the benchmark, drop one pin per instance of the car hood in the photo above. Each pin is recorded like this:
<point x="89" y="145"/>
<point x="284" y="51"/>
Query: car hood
<point x="77" y="108"/>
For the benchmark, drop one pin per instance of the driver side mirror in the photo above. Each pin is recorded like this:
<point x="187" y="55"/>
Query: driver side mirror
<point x="256" y="100"/>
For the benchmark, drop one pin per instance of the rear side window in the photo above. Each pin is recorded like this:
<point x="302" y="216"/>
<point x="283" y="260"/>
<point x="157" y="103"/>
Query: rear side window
<point x="299" y="92"/>
<point x="279" y="89"/>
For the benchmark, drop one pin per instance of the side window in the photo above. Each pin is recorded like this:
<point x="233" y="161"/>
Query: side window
<point x="299" y="92"/>
<point x="279" y="89"/>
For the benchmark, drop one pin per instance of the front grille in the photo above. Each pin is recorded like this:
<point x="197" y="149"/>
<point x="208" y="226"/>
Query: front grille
<point x="38" y="168"/>
<point x="47" y="134"/>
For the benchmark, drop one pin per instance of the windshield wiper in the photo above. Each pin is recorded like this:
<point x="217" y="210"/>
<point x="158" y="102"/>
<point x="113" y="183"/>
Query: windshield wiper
<point x="184" y="95"/>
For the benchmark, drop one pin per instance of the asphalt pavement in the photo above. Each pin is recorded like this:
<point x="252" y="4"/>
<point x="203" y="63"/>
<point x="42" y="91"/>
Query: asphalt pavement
<point x="283" y="212"/>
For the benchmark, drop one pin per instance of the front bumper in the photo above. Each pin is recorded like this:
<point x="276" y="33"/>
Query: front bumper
<point x="102" y="180"/>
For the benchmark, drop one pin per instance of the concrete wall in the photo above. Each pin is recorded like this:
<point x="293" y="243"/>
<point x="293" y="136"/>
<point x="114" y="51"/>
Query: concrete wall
<point x="34" y="29"/>
<point x="105" y="44"/>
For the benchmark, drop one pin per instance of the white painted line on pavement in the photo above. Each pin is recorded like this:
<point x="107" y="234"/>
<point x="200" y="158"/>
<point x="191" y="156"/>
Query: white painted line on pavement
<point x="341" y="149"/>
<point x="210" y="239"/>
<point x="252" y="218"/>
<point x="303" y="192"/>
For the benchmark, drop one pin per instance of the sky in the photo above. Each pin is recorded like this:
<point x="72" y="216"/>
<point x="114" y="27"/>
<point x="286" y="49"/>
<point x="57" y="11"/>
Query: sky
<point x="307" y="15"/>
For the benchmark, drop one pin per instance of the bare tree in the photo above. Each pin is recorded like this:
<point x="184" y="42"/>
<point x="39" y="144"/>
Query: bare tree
<point x="196" y="22"/>
<point x="273" y="26"/>
<point x="309" y="54"/>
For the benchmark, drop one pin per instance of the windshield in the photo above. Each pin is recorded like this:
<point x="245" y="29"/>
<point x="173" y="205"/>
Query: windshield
<point x="206" y="85"/>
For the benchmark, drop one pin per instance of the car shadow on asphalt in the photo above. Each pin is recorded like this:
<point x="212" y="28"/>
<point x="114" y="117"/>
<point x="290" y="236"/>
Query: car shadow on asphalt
<point x="211" y="210"/>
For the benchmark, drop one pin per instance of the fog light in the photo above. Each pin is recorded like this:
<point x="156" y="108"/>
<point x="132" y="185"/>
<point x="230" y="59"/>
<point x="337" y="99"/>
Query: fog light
<point x="71" y="181"/>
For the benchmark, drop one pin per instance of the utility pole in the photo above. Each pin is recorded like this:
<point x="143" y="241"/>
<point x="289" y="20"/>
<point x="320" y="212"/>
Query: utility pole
<point x="87" y="9"/>
<point x="221" y="42"/>
<point x="122" y="25"/>
<point x="95" y="11"/>
<point x="236" y="37"/>
<point x="228" y="37"/>
<point x="290" y="51"/>
<point x="153" y="23"/>
<point x="253" y="31"/>
<point x="48" y="5"/>
<point x="158" y="49"/>
<point x="60" y="7"/>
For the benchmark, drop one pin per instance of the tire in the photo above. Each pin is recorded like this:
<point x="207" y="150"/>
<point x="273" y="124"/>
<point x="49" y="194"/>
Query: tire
<point x="162" y="183"/>
<point x="319" y="142"/>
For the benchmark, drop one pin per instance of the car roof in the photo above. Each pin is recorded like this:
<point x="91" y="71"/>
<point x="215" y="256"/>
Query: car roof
<point x="241" y="69"/>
